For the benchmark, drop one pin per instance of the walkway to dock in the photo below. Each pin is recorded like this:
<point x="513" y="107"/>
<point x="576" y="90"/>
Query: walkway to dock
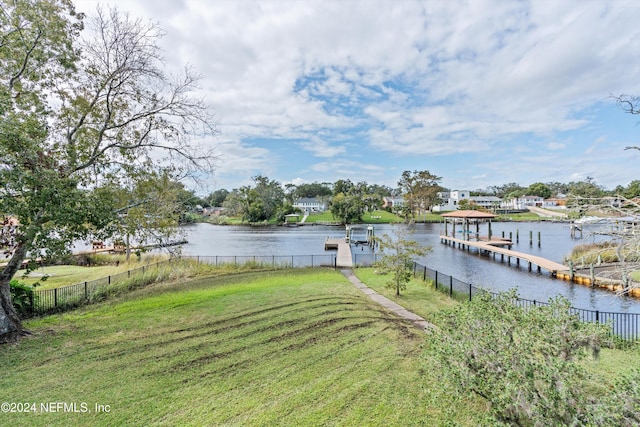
<point x="495" y="248"/>
<point x="385" y="302"/>
<point x="343" y="259"/>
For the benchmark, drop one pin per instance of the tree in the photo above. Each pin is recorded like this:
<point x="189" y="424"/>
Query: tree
<point x="398" y="256"/>
<point x="466" y="204"/>
<point x="234" y="204"/>
<point x="585" y="189"/>
<point x="420" y="190"/>
<point x="218" y="197"/>
<point x="74" y="114"/>
<point x="314" y="189"/>
<point x="270" y="194"/>
<point x="343" y="186"/>
<point x="503" y="191"/>
<point x="347" y="207"/>
<point x="524" y="362"/>
<point x="539" y="189"/>
<point x="149" y="208"/>
<point x="632" y="190"/>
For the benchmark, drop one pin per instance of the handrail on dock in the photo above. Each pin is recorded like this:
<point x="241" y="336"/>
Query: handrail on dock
<point x="495" y="248"/>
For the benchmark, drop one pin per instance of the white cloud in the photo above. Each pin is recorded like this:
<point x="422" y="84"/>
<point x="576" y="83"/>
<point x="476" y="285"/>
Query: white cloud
<point x="401" y="80"/>
<point x="321" y="148"/>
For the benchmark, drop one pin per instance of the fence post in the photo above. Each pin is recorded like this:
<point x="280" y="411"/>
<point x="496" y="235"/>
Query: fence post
<point x="469" y="291"/>
<point x="86" y="294"/>
<point x="436" y="280"/>
<point x="450" y="286"/>
<point x="108" y="280"/>
<point x="597" y="316"/>
<point x="31" y="299"/>
<point x="55" y="297"/>
<point x="424" y="274"/>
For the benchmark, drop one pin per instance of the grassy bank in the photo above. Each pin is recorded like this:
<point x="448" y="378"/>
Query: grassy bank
<point x="422" y="299"/>
<point x="300" y="347"/>
<point x="418" y="297"/>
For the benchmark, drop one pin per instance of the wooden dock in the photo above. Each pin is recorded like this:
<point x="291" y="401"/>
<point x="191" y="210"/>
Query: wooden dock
<point x="344" y="258"/>
<point x="497" y="248"/>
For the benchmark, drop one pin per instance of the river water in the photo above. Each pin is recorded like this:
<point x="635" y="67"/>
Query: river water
<point x="555" y="243"/>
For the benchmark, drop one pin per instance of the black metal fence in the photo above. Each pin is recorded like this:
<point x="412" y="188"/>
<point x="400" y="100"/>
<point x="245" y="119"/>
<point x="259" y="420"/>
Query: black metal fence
<point x="623" y="325"/>
<point x="278" y="261"/>
<point x="66" y="297"/>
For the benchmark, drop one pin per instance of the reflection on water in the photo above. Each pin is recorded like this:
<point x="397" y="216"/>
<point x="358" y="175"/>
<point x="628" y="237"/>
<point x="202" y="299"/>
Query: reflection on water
<point x="470" y="267"/>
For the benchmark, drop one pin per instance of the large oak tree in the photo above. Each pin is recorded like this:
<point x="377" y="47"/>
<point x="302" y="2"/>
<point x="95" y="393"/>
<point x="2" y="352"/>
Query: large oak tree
<point x="76" y="113"/>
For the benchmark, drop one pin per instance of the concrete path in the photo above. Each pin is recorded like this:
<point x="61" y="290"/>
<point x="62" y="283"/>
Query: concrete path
<point x="417" y="321"/>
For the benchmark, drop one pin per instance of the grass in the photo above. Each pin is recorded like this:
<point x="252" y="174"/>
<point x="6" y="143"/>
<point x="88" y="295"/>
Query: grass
<point x="289" y="347"/>
<point x="524" y="216"/>
<point x="381" y="217"/>
<point x="55" y="276"/>
<point x="294" y="347"/>
<point x="419" y="297"/>
<point x="422" y="299"/>
<point x="325" y="216"/>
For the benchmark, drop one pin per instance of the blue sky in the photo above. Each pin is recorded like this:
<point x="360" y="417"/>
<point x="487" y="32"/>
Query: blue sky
<point x="477" y="92"/>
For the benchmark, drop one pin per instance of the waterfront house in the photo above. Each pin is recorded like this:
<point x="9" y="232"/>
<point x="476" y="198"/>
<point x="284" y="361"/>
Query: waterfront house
<point x="452" y="199"/>
<point x="310" y="204"/>
<point x="392" y="202"/>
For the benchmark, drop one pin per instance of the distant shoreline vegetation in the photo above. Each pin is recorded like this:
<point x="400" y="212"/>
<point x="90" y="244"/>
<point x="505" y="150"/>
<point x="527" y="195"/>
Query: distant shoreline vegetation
<point x="374" y="217"/>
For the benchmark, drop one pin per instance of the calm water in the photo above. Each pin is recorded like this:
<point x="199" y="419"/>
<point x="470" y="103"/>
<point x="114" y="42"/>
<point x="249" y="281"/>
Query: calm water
<point x="555" y="243"/>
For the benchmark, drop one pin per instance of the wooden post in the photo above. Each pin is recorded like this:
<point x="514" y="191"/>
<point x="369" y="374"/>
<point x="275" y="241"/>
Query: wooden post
<point x="571" y="270"/>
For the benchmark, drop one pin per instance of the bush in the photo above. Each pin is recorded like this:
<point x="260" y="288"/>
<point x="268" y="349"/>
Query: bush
<point x="22" y="297"/>
<point x="524" y="362"/>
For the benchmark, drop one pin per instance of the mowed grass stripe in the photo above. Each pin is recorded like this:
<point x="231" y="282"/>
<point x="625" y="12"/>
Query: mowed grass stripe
<point x="283" y="348"/>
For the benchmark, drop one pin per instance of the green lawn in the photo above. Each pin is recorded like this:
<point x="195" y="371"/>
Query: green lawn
<point x="55" y="276"/>
<point x="295" y="347"/>
<point x="325" y="216"/>
<point x="62" y="275"/>
<point x="289" y="347"/>
<point x="418" y="297"/>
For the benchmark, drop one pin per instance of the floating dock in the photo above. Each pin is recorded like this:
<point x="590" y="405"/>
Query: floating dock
<point x="344" y="258"/>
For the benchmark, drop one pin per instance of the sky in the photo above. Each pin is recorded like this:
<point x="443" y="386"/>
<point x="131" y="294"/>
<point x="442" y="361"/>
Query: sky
<point x="477" y="92"/>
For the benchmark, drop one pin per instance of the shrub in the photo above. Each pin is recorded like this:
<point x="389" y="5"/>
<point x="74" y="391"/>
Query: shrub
<point x="22" y="297"/>
<point x="523" y="362"/>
